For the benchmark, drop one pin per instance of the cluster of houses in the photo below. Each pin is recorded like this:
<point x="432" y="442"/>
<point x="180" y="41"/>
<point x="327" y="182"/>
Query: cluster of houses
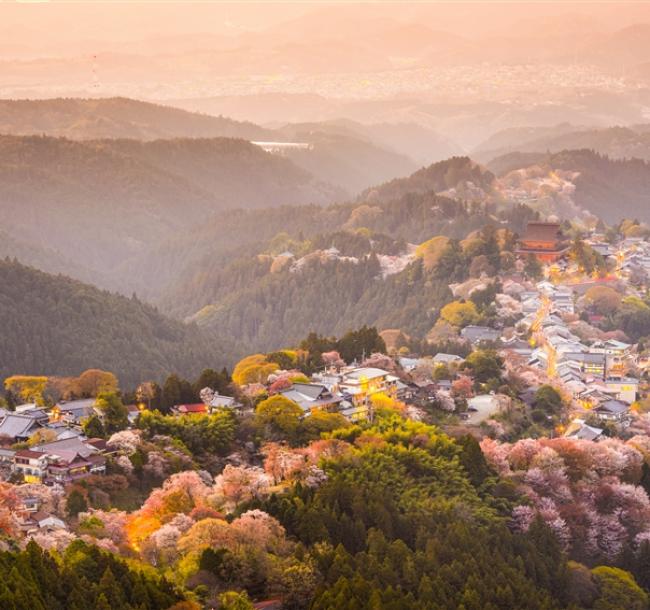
<point x="64" y="456"/>
<point x="593" y="374"/>
<point x="632" y="259"/>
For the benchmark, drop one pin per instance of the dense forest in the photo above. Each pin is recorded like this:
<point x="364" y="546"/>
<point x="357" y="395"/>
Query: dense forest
<point x="83" y="577"/>
<point x="330" y="298"/>
<point x="393" y="514"/>
<point x="194" y="278"/>
<point x="55" y="325"/>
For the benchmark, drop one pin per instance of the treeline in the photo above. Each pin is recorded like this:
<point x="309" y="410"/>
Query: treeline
<point x="83" y="577"/>
<point x="117" y="117"/>
<point x="52" y="325"/>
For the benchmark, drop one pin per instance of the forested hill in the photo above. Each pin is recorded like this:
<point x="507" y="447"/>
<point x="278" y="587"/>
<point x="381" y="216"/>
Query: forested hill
<point x="57" y="326"/>
<point x="454" y="173"/>
<point x="364" y="272"/>
<point x="117" y="117"/>
<point x="611" y="189"/>
<point x="109" y="200"/>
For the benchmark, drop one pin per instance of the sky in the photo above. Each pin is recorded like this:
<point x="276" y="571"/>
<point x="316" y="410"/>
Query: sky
<point x="47" y="28"/>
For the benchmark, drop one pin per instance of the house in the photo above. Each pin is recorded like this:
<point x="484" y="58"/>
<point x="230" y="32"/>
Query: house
<point x="588" y="363"/>
<point x="62" y="461"/>
<point x="623" y="388"/>
<point x="593" y="396"/>
<point x="579" y="430"/>
<point x="423" y="391"/>
<point x="40" y="520"/>
<point x="612" y="410"/>
<point x="618" y="348"/>
<point x="63" y="431"/>
<point x="47" y="521"/>
<point x="29" y="504"/>
<point x="480" y="334"/>
<point x="6" y="456"/>
<point x="132" y="413"/>
<point x="69" y="466"/>
<point x="310" y="396"/>
<point x="225" y="402"/>
<point x="74" y="412"/>
<point x="20" y="427"/>
<point x="409" y="364"/>
<point x="31" y="465"/>
<point x="101" y="445"/>
<point x="544" y="240"/>
<point x="602" y="248"/>
<point x="357" y="385"/>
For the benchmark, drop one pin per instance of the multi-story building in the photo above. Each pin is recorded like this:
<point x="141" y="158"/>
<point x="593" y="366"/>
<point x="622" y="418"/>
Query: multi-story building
<point x="356" y="386"/>
<point x="32" y="465"/>
<point x="544" y="240"/>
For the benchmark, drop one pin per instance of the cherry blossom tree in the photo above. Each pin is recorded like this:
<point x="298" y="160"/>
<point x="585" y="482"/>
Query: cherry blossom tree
<point x="332" y="359"/>
<point x="259" y="529"/>
<point x="585" y="491"/>
<point x="239" y="483"/>
<point x="125" y="441"/>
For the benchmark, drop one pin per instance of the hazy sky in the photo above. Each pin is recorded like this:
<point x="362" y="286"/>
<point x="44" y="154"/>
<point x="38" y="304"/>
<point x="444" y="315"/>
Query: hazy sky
<point x="53" y="27"/>
<point x="371" y="50"/>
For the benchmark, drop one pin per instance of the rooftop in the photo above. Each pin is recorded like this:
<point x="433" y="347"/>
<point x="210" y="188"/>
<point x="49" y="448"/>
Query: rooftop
<point x="543" y="231"/>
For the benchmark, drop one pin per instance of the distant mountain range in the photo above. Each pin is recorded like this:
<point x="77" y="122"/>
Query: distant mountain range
<point x="118" y="117"/>
<point x="348" y="155"/>
<point x="615" y="142"/>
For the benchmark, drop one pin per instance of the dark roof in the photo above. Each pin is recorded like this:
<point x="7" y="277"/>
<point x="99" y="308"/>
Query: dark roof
<point x="543" y="231"/>
<point x="40" y="516"/>
<point x="312" y="390"/>
<point x="15" y="425"/>
<point x="613" y="406"/>
<point x="480" y="333"/>
<point x="585" y="357"/>
<point x="28" y="453"/>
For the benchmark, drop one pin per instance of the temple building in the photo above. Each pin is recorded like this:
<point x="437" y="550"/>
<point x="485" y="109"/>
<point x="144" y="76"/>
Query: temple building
<point x="543" y="239"/>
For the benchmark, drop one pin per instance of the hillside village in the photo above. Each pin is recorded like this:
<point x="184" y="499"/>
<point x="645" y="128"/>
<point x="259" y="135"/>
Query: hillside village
<point x="544" y="365"/>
